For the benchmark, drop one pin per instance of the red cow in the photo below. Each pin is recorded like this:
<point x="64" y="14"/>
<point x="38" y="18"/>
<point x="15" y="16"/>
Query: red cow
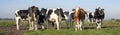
<point x="79" y="16"/>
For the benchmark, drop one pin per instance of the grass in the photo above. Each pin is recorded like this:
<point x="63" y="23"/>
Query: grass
<point x="71" y="31"/>
<point x="102" y="31"/>
<point x="7" y="23"/>
<point x="1" y="33"/>
<point x="105" y="31"/>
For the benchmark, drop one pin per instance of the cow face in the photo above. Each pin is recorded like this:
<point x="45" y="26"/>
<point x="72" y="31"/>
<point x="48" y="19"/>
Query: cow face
<point x="102" y="12"/>
<point x="59" y="12"/>
<point x="99" y="12"/>
<point x="66" y="14"/>
<point x="43" y="11"/>
<point x="33" y="12"/>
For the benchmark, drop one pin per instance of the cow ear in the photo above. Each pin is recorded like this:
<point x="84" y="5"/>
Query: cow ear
<point x="102" y="9"/>
<point x="73" y="9"/>
<point x="96" y="9"/>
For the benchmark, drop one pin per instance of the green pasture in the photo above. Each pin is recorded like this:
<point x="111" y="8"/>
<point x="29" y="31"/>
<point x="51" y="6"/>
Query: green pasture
<point x="112" y="28"/>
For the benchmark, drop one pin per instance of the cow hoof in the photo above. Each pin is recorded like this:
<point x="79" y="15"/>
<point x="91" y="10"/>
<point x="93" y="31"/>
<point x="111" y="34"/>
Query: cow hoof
<point x="98" y="27"/>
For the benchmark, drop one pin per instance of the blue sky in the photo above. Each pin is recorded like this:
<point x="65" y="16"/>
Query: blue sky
<point x="112" y="7"/>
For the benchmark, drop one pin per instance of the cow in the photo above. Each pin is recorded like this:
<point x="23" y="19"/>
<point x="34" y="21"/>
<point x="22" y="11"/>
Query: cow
<point x="29" y="15"/>
<point x="42" y="18"/>
<point x="66" y="17"/>
<point x="90" y="17"/>
<point x="55" y="16"/>
<point x="71" y="19"/>
<point x="99" y="16"/>
<point x="78" y="16"/>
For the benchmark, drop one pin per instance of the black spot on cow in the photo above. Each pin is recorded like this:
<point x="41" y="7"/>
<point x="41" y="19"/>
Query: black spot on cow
<point x="72" y="15"/>
<point x="90" y="15"/>
<point x="23" y="14"/>
<point x="49" y="12"/>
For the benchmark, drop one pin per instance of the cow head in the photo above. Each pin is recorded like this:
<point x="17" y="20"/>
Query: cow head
<point x="43" y="11"/>
<point x="102" y="11"/>
<point x="33" y="12"/>
<point x="66" y="13"/>
<point x="99" y="11"/>
<point x="59" y="12"/>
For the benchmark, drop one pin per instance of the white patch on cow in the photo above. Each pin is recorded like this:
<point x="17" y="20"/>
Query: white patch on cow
<point x="53" y="16"/>
<point x="76" y="11"/>
<point x="56" y="18"/>
<point x="66" y="17"/>
<point x="43" y="27"/>
<point x="16" y="12"/>
<point x="17" y="22"/>
<point x="93" y="14"/>
<point x="98" y="21"/>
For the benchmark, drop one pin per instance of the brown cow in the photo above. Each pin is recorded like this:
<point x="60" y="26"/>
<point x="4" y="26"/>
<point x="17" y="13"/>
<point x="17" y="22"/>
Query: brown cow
<point x="79" y="16"/>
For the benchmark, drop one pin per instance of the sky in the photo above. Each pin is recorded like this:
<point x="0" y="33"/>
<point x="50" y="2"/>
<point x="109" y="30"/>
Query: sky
<point x="111" y="7"/>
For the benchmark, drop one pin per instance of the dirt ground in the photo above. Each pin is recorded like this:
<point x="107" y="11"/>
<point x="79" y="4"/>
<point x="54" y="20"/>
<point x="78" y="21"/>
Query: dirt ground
<point x="11" y="30"/>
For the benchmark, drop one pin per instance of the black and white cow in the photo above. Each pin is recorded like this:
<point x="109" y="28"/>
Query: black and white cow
<point x="66" y="18"/>
<point x="42" y="18"/>
<point x="96" y="16"/>
<point x="71" y="19"/>
<point x="90" y="17"/>
<point x="55" y="16"/>
<point x="99" y="16"/>
<point x="29" y="15"/>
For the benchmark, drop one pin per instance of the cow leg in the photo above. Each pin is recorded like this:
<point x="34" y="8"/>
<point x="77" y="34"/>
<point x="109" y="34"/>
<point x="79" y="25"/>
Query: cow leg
<point x="47" y="24"/>
<point x="71" y="23"/>
<point x="17" y="22"/>
<point x="90" y="20"/>
<point x="35" y="26"/>
<point x="57" y="23"/>
<point x="30" y="25"/>
<point x="66" y="23"/>
<point x="80" y="25"/>
<point x="98" y="23"/>
<point x="77" y="26"/>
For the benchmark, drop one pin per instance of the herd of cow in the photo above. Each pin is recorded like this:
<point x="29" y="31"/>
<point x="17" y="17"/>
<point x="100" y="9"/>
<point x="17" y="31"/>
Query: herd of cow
<point x="54" y="17"/>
